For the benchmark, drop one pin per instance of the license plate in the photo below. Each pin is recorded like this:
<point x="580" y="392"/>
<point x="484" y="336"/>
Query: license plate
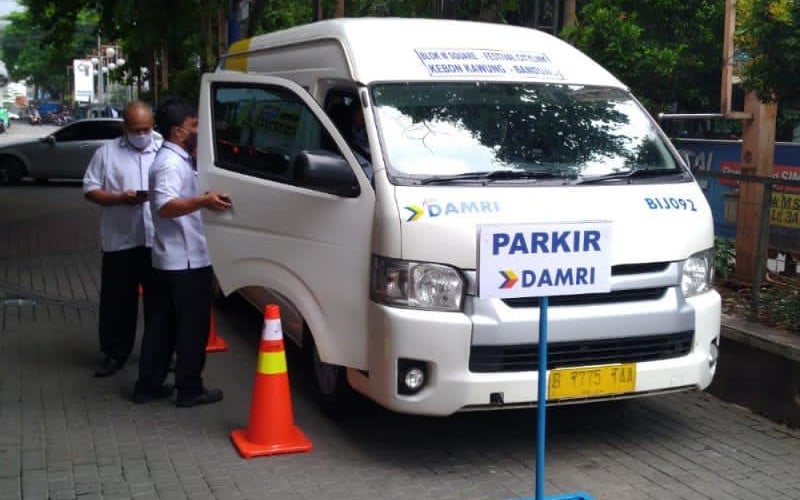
<point x="582" y="382"/>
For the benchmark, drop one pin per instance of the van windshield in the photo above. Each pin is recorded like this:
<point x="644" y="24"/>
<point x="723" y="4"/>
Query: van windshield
<point x="542" y="131"/>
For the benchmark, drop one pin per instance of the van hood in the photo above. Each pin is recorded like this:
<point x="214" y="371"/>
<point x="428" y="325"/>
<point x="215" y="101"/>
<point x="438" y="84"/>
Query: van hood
<point x="650" y="222"/>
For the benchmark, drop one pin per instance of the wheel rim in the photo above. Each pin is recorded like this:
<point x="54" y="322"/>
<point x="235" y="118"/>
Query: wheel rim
<point x="327" y="375"/>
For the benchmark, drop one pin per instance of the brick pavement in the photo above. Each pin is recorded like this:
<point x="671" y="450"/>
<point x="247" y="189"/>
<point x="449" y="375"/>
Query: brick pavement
<point x="65" y="435"/>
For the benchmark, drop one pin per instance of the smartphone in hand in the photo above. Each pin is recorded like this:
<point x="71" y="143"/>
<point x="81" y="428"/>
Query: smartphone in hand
<point x="142" y="194"/>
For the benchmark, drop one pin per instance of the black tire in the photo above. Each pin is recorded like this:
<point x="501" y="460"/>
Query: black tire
<point x="332" y="392"/>
<point x="11" y="170"/>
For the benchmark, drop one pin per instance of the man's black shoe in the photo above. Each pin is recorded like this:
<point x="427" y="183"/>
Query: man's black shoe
<point x="109" y="367"/>
<point x="140" y="397"/>
<point x="207" y="397"/>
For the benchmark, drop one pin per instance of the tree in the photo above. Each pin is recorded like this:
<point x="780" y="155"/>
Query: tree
<point x="175" y="40"/>
<point x="39" y="51"/>
<point x="667" y="51"/>
<point x="273" y="15"/>
<point x="768" y="38"/>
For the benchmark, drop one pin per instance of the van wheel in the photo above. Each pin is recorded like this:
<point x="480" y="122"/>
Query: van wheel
<point x="333" y="393"/>
<point x="11" y="170"/>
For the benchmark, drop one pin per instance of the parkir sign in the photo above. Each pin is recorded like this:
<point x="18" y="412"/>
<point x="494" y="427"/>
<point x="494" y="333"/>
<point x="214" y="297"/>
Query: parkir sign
<point x="538" y="260"/>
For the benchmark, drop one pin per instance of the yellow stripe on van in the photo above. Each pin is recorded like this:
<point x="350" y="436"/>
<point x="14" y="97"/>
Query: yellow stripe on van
<point x="271" y="363"/>
<point x="237" y="61"/>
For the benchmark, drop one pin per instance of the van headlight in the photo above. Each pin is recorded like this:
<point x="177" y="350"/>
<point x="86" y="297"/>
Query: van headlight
<point x="698" y="273"/>
<point x="416" y="284"/>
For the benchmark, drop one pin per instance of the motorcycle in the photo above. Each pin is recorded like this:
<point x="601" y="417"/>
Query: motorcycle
<point x="34" y="118"/>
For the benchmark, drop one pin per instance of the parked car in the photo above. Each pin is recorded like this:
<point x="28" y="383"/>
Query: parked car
<point x="64" y="154"/>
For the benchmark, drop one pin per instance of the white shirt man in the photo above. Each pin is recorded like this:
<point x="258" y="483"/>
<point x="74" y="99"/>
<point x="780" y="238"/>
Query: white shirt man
<point x="117" y="180"/>
<point x="182" y="275"/>
<point x="181" y="242"/>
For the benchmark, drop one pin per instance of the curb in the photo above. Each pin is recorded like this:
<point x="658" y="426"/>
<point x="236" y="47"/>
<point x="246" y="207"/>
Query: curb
<point x="759" y="369"/>
<point x="783" y="344"/>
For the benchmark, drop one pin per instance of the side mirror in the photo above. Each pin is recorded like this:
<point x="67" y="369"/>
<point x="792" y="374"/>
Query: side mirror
<point x="325" y="171"/>
<point x="50" y="139"/>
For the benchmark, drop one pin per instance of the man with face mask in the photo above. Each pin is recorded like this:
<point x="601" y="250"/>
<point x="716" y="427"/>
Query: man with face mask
<point x="117" y="180"/>
<point x="182" y="275"/>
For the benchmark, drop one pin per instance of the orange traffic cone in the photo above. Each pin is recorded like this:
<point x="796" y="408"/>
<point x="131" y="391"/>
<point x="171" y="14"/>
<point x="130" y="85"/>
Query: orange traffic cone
<point x="271" y="429"/>
<point x="215" y="342"/>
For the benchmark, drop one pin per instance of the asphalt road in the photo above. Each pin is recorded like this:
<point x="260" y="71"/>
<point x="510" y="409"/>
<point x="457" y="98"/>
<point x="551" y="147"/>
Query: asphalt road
<point x="65" y="435"/>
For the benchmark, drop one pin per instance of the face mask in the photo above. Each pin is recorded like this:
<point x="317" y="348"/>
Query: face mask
<point x="140" y="142"/>
<point x="190" y="142"/>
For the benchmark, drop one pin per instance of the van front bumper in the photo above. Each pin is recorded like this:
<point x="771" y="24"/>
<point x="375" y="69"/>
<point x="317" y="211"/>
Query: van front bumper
<point x="442" y="340"/>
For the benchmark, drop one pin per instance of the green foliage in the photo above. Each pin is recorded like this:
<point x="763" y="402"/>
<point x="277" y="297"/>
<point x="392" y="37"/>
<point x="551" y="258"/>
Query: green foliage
<point x="40" y="51"/>
<point x="724" y="257"/>
<point x="768" y="34"/>
<point x="667" y="51"/>
<point x="282" y="14"/>
<point x="781" y="305"/>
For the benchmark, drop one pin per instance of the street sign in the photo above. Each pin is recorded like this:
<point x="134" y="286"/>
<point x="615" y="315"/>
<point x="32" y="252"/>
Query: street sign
<point x="543" y="260"/>
<point x="83" y="80"/>
<point x="540" y="260"/>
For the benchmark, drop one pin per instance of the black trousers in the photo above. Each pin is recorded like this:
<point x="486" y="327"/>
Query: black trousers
<point x="122" y="273"/>
<point x="179" y="320"/>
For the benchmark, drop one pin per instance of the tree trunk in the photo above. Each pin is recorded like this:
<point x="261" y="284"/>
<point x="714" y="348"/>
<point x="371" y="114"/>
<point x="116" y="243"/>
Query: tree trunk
<point x="316" y="10"/>
<point x="164" y="68"/>
<point x="254" y="23"/>
<point x="339" y="9"/>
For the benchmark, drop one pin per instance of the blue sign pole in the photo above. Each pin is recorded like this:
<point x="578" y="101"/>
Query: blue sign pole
<point x="234" y="30"/>
<point x="541" y="408"/>
<point x="541" y="412"/>
<point x="506" y="254"/>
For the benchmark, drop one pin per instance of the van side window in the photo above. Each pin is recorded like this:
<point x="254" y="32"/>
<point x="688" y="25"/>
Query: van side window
<point x="258" y="131"/>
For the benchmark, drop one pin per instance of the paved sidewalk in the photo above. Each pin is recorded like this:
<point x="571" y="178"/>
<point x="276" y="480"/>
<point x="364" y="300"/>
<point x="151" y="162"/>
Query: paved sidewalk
<point x="65" y="435"/>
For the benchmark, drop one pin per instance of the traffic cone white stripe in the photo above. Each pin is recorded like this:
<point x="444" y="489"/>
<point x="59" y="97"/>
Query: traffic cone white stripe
<point x="272" y="330"/>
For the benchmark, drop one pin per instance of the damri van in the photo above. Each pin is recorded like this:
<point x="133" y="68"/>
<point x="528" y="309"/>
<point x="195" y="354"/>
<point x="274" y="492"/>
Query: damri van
<point x="363" y="156"/>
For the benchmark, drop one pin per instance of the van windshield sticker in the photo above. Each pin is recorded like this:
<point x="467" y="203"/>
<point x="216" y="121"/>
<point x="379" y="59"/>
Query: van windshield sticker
<point x="431" y="210"/>
<point x="477" y="62"/>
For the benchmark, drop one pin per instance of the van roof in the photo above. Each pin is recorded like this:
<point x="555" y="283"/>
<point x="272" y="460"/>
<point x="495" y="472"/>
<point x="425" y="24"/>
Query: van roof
<point x="398" y="49"/>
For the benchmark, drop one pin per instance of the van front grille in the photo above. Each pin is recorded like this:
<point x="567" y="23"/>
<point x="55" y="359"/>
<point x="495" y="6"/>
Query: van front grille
<point x="525" y="357"/>
<point x="649" y="267"/>
<point x="592" y="298"/>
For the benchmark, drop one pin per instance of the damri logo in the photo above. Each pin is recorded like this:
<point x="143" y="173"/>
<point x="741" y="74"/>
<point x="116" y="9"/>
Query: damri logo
<point x="416" y="212"/>
<point x="510" y="279"/>
<point x="434" y="210"/>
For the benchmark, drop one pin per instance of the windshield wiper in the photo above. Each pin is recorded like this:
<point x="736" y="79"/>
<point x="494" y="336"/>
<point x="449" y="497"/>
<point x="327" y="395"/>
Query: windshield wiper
<point x="641" y="173"/>
<point x="492" y="176"/>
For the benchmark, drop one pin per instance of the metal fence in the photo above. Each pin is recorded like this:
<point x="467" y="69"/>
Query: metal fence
<point x="779" y="223"/>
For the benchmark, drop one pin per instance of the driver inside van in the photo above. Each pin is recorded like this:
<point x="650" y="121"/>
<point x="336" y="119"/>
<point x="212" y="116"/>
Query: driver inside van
<point x="358" y="131"/>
